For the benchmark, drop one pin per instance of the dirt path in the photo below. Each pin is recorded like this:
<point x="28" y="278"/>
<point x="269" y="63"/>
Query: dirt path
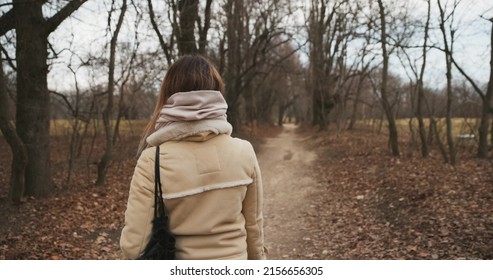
<point x="286" y="172"/>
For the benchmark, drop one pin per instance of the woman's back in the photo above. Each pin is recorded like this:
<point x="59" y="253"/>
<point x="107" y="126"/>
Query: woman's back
<point x="211" y="182"/>
<point x="205" y="181"/>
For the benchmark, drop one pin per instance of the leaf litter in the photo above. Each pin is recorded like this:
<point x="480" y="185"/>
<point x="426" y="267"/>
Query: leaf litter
<point x="366" y="205"/>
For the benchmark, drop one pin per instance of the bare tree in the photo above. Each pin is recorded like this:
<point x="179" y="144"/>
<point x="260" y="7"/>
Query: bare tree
<point x="186" y="21"/>
<point x="393" y="136"/>
<point x="33" y="98"/>
<point x="19" y="152"/>
<point x="204" y="25"/>
<point x="487" y="101"/>
<point x="166" y="46"/>
<point x="253" y="36"/>
<point x="362" y="75"/>
<point x="417" y="77"/>
<point x="329" y="28"/>
<point x="107" y="113"/>
<point x="420" y="93"/>
<point x="448" y="50"/>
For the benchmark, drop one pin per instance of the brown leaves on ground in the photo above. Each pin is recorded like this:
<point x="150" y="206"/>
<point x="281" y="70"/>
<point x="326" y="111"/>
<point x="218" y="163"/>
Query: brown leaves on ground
<point x="369" y="205"/>
<point x="83" y="222"/>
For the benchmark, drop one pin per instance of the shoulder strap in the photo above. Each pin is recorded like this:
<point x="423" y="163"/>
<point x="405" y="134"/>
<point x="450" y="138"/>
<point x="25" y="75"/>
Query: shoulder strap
<point x="158" y="191"/>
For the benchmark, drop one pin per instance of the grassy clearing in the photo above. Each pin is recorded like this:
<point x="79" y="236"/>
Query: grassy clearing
<point x="65" y="127"/>
<point x="460" y="126"/>
<point x="127" y="127"/>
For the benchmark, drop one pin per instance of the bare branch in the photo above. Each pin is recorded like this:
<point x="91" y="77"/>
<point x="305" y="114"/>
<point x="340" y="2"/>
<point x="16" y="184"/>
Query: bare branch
<point x="9" y="60"/>
<point x="165" y="47"/>
<point x="53" y="22"/>
<point x="65" y="99"/>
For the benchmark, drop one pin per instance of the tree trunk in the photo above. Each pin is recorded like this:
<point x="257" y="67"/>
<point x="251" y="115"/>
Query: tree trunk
<point x="393" y="136"/>
<point x="486" y="110"/>
<point x="107" y="113"/>
<point x="164" y="46"/>
<point x="205" y="28"/>
<point x="233" y="67"/>
<point x="441" y="146"/>
<point x="282" y="109"/>
<point x="359" y="90"/>
<point x="419" y="110"/>
<point x="448" y="63"/>
<point x="33" y="99"/>
<point x="491" y="138"/>
<point x="19" y="152"/>
<point x="188" y="16"/>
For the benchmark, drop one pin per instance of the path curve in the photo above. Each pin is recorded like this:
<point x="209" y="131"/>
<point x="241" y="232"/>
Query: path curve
<point x="286" y="166"/>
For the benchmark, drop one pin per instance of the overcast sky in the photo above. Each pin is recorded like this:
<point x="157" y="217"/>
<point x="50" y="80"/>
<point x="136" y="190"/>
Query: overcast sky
<point x="86" y="32"/>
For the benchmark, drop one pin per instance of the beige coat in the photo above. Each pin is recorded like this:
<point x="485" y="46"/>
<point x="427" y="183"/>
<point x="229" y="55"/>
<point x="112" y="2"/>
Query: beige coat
<point x="213" y="194"/>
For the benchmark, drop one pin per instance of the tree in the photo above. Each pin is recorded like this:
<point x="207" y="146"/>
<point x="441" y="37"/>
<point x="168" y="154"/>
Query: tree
<point x="33" y="98"/>
<point x="186" y="22"/>
<point x="253" y="35"/>
<point x="487" y="102"/>
<point x="420" y="91"/>
<point x="330" y="26"/>
<point x="393" y="136"/>
<point x="448" y="49"/>
<point x="108" y="111"/>
<point x="188" y="14"/>
<point x="417" y="77"/>
<point x="19" y="152"/>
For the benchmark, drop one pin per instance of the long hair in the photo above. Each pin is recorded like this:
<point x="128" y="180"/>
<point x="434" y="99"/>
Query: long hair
<point x="188" y="73"/>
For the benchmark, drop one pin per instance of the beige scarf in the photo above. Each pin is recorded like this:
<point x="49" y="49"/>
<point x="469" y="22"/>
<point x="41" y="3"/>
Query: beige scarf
<point x="190" y="113"/>
<point x="192" y="106"/>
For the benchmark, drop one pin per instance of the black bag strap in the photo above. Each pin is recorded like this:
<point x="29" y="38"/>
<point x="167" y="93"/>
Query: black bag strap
<point x="158" y="191"/>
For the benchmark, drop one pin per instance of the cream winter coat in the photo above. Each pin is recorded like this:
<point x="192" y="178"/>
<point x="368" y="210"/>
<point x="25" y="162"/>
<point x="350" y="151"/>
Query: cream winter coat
<point x="212" y="192"/>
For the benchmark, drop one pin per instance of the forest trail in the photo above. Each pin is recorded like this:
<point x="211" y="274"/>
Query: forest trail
<point x="286" y="166"/>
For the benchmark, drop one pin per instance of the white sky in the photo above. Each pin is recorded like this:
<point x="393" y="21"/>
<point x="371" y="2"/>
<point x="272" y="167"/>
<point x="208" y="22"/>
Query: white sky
<point x="472" y="45"/>
<point x="86" y="31"/>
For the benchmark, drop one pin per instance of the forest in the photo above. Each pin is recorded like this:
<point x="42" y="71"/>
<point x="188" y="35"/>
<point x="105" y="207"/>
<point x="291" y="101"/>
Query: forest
<point x="384" y="105"/>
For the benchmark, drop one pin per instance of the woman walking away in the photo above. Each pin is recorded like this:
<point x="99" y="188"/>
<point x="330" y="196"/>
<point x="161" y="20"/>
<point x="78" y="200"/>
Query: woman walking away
<point x="211" y="182"/>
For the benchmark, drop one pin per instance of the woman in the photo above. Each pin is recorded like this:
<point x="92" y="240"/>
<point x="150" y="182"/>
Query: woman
<point x="212" y="186"/>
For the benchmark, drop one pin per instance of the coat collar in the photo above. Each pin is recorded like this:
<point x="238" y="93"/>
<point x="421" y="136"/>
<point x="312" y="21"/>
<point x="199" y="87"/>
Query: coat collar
<point x="201" y="130"/>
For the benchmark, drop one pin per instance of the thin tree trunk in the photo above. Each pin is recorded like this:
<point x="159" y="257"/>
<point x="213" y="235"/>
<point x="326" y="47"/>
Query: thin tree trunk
<point x="486" y="110"/>
<point x="205" y="28"/>
<point x="233" y="67"/>
<point x="393" y="136"/>
<point x="448" y="63"/>
<point x="164" y="46"/>
<point x="104" y="162"/>
<point x="491" y="138"/>
<point x="74" y="139"/>
<point x="412" y="140"/>
<point x="441" y="146"/>
<point x="17" y="147"/>
<point x="80" y="144"/>
<point x="283" y="108"/>
<point x="359" y="90"/>
<point x="419" y="110"/>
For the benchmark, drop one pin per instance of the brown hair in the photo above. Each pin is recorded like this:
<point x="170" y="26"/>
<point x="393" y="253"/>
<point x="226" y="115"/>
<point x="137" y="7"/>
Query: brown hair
<point x="188" y="73"/>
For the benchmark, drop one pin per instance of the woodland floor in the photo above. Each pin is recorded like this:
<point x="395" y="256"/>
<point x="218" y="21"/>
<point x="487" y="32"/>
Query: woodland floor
<point x="327" y="196"/>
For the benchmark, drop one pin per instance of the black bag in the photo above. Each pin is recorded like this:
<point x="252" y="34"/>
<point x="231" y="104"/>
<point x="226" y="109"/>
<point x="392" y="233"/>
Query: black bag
<point x="161" y="246"/>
